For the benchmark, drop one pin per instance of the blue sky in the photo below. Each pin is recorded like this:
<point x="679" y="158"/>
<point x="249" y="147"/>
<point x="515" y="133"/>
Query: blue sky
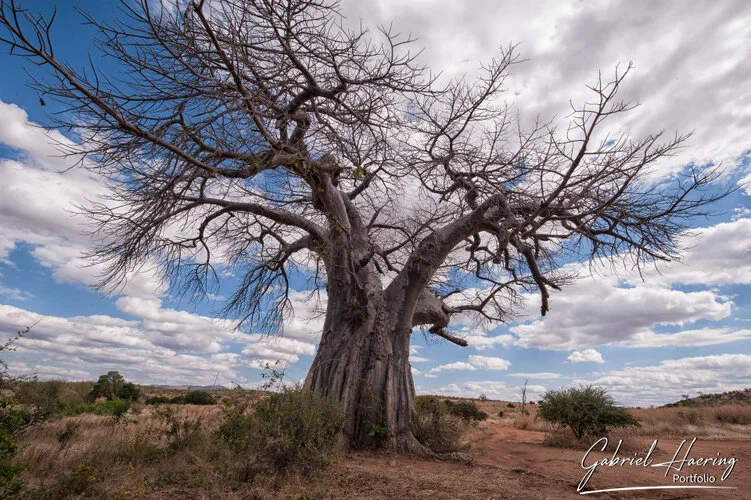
<point x="685" y="329"/>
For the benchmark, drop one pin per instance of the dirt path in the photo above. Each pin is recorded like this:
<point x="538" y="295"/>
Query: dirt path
<point x="514" y="449"/>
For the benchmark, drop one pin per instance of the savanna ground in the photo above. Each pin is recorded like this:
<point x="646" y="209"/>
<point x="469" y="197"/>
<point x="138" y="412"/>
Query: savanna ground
<point x="167" y="451"/>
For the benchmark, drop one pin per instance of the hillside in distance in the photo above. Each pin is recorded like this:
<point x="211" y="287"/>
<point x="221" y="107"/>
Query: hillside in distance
<point x="724" y="398"/>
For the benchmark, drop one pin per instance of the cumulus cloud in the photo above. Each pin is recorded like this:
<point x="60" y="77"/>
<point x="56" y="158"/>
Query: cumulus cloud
<point x="596" y="311"/>
<point x="687" y="77"/>
<point x="668" y="380"/>
<point x="160" y="345"/>
<point x="452" y="367"/>
<point x="489" y="363"/>
<point x="586" y="356"/>
<point x="474" y="363"/>
<point x="14" y="293"/>
<point x="714" y="255"/>
<point x="536" y="375"/>
<point x="492" y="389"/>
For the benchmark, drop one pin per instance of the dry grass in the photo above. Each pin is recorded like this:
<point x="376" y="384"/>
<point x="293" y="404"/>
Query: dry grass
<point x="724" y="422"/>
<point x="99" y="457"/>
<point x="140" y="457"/>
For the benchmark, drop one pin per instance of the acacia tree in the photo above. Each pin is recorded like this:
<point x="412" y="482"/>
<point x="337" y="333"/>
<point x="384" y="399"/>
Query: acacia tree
<point x="261" y="136"/>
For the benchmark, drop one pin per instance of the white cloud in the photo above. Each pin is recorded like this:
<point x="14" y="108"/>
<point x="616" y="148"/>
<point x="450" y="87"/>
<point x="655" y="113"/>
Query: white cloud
<point x="489" y="363"/>
<point x="714" y="255"/>
<point x="14" y="293"/>
<point x="620" y="314"/>
<point x="150" y="349"/>
<point x="451" y="367"/>
<point x="586" y="356"/>
<point x="668" y="380"/>
<point x="695" y="338"/>
<point x="690" y="77"/>
<point x="745" y="184"/>
<point x="537" y="375"/>
<point x="41" y="145"/>
<point x="492" y="389"/>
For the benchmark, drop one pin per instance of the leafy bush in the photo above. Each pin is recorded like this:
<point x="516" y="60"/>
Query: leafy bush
<point x="235" y="429"/>
<point x="293" y="430"/>
<point x="47" y="398"/>
<point x="129" y="392"/>
<point x="199" y="398"/>
<point x="466" y="410"/>
<point x="442" y="435"/>
<point x="12" y="419"/>
<point x="510" y="405"/>
<point x="181" y="432"/>
<point x="67" y="435"/>
<point x="157" y="400"/>
<point x="116" y="408"/>
<point x="436" y="427"/>
<point x="586" y="410"/>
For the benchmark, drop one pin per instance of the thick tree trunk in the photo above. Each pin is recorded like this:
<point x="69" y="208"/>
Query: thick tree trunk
<point x="365" y="365"/>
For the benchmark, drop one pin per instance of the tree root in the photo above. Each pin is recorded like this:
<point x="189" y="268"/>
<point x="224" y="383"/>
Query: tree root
<point x="409" y="445"/>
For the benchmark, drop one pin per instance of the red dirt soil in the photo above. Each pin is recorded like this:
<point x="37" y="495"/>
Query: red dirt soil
<point x="522" y="450"/>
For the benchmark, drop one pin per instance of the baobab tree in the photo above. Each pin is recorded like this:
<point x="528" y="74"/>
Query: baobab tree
<point x="262" y="136"/>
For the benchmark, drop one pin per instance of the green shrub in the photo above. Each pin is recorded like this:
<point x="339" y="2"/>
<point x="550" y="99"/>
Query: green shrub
<point x="46" y="398"/>
<point x="586" y="410"/>
<point x="181" y="432"/>
<point x="510" y="405"/>
<point x="199" y="398"/>
<point x="466" y="410"/>
<point x="437" y="427"/>
<point x="67" y="435"/>
<point x="290" y="431"/>
<point x="12" y="419"/>
<point x="177" y="400"/>
<point x="116" y="408"/>
<point x="129" y="392"/>
<point x="157" y="400"/>
<point x="235" y="429"/>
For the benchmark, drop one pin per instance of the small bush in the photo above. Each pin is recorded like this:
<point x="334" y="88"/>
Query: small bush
<point x="295" y="430"/>
<point x="691" y="417"/>
<point x="235" y="429"/>
<point x="437" y="427"/>
<point x="181" y="432"/>
<point x="500" y="413"/>
<point x="522" y="421"/>
<point x="290" y="431"/>
<point x="586" y="410"/>
<point x="46" y="398"/>
<point x="67" y="435"/>
<point x="510" y="405"/>
<point x="12" y="419"/>
<point x="157" y="400"/>
<point x="115" y="408"/>
<point x="199" y="398"/>
<point x="442" y="434"/>
<point x="466" y="410"/>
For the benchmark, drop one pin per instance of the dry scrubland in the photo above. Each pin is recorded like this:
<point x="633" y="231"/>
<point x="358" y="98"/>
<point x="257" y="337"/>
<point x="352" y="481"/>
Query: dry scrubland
<point x="171" y="451"/>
